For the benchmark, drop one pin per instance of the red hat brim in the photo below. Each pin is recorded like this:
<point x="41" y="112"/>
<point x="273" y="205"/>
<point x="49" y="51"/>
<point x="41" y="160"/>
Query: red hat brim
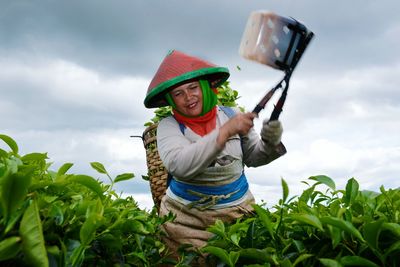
<point x="178" y="68"/>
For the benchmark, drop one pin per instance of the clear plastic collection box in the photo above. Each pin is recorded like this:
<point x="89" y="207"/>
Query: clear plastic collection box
<point x="272" y="40"/>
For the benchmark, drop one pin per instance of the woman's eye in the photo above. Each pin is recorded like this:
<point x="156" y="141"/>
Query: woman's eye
<point x="176" y="93"/>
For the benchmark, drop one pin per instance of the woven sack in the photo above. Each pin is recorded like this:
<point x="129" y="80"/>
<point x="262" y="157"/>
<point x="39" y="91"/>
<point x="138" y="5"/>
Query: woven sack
<point x="156" y="170"/>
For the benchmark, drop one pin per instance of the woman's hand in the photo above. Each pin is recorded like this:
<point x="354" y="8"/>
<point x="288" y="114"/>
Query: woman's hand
<point x="240" y="124"/>
<point x="271" y="132"/>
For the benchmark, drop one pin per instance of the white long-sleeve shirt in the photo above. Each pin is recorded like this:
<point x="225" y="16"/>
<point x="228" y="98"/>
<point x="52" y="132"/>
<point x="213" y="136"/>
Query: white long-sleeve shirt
<point x="189" y="156"/>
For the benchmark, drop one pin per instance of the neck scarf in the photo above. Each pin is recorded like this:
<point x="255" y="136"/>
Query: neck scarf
<point x="201" y="125"/>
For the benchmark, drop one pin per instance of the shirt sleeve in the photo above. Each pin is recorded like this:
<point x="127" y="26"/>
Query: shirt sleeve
<point x="256" y="152"/>
<point x="183" y="158"/>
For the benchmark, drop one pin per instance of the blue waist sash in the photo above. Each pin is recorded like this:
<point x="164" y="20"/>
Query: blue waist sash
<point x="225" y="193"/>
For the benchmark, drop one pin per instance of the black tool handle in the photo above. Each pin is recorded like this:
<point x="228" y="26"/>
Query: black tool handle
<point x="266" y="98"/>
<point x="257" y="109"/>
<point x="278" y="107"/>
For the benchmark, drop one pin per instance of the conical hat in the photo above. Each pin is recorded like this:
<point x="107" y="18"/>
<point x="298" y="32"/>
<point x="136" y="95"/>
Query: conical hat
<point x="178" y="68"/>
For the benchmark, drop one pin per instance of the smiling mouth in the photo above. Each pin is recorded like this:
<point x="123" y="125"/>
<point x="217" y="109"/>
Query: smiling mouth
<point x="193" y="105"/>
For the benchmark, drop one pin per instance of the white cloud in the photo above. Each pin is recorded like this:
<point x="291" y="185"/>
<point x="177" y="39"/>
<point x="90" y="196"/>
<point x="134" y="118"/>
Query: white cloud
<point x="75" y="85"/>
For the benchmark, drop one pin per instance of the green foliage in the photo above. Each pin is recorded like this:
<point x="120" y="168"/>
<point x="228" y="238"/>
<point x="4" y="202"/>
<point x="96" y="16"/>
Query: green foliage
<point x="159" y="114"/>
<point x="228" y="96"/>
<point x="336" y="228"/>
<point x="59" y="219"/>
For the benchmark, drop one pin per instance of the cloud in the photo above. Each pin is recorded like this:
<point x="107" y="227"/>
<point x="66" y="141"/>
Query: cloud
<point x="73" y="76"/>
<point x="58" y="94"/>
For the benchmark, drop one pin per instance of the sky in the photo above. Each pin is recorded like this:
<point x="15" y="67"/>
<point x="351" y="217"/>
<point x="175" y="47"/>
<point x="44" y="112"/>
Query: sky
<point x="74" y="74"/>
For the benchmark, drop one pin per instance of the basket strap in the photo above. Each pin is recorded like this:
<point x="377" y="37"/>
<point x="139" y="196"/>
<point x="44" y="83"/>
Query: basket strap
<point x="228" y="111"/>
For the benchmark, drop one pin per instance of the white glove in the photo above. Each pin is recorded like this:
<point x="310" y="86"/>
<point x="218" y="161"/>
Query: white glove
<point x="271" y="132"/>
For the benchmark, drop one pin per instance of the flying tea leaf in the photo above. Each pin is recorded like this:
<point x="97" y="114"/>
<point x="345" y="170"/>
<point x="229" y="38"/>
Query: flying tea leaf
<point x="285" y="189"/>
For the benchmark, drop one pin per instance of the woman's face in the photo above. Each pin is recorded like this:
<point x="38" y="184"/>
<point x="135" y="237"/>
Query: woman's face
<point x="188" y="99"/>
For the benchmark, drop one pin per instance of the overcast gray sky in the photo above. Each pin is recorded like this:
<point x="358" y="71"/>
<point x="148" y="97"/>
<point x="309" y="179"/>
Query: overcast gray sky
<point x="73" y="76"/>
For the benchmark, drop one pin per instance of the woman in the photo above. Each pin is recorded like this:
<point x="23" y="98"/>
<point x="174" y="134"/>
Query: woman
<point x="205" y="147"/>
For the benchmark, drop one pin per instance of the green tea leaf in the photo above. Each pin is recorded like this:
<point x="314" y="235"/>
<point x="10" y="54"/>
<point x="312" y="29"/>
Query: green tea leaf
<point x="371" y="233"/>
<point x="343" y="225"/>
<point x="10" y="247"/>
<point x="218" y="228"/>
<point x="89" y="182"/>
<point x="235" y="238"/>
<point x="308" y="219"/>
<point x="393" y="227"/>
<point x="357" y="261"/>
<point x="136" y="226"/>
<point x="306" y="195"/>
<point x="324" y="180"/>
<point x="32" y="237"/>
<point x="351" y="191"/>
<point x="3" y="153"/>
<point x="123" y="177"/>
<point x="64" y="168"/>
<point x="220" y="253"/>
<point x="13" y="189"/>
<point x="392" y="248"/>
<point x="238" y="227"/>
<point x="94" y="217"/>
<point x="330" y="262"/>
<point x="265" y="220"/>
<point x="88" y="229"/>
<point x="301" y="258"/>
<point x="34" y="157"/>
<point x="77" y="256"/>
<point x="233" y="257"/>
<point x="285" y="190"/>
<point x="10" y="142"/>
<point x="57" y="214"/>
<point x="285" y="263"/>
<point x="98" y="167"/>
<point x="14" y="218"/>
<point x="336" y="236"/>
<point x="260" y="255"/>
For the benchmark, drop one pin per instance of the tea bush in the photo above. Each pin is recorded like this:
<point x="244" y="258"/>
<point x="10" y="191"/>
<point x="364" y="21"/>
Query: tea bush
<point x="348" y="227"/>
<point x="52" y="218"/>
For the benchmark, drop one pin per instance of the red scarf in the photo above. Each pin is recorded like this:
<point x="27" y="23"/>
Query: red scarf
<point x="200" y="125"/>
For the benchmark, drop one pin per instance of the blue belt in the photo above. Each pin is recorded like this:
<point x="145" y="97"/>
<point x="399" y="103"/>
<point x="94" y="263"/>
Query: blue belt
<point x="237" y="189"/>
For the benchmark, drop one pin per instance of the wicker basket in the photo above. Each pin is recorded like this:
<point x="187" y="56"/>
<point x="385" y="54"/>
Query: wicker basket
<point x="157" y="173"/>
